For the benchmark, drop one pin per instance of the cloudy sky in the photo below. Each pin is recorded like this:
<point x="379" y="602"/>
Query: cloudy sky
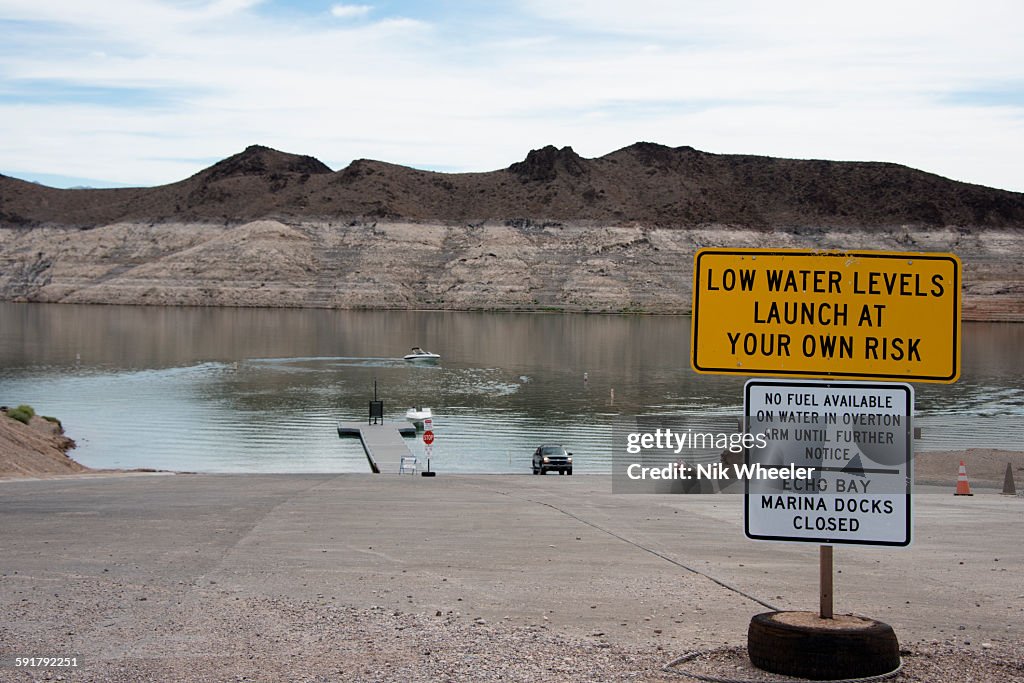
<point x="145" y="92"/>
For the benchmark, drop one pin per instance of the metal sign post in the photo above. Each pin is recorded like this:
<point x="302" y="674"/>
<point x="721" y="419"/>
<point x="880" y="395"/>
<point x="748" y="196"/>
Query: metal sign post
<point x="428" y="445"/>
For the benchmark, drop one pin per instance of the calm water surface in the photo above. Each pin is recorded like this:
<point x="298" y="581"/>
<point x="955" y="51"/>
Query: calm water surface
<point x="261" y="390"/>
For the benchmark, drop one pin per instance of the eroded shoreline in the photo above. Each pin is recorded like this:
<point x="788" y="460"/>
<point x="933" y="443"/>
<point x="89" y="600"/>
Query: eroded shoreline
<point x="566" y="266"/>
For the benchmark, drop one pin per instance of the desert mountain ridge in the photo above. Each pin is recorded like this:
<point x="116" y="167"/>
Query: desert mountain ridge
<point x="553" y="232"/>
<point x="644" y="183"/>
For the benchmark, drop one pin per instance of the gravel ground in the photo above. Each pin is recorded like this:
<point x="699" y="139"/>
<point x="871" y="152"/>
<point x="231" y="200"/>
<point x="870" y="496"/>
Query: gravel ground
<point x="216" y="637"/>
<point x="304" y="578"/>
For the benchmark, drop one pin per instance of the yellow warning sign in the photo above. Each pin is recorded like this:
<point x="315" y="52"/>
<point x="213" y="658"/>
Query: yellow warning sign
<point x="865" y="314"/>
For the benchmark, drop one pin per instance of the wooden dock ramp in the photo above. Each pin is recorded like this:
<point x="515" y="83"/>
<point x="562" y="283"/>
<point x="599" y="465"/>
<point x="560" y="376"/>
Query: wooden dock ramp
<point x="384" y="444"/>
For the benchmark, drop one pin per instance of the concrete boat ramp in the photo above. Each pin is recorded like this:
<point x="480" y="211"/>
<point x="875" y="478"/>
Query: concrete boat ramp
<point x="384" y="443"/>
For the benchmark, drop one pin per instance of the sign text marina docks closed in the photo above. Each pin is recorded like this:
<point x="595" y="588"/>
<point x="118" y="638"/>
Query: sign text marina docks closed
<point x="858" y="314"/>
<point x="853" y="439"/>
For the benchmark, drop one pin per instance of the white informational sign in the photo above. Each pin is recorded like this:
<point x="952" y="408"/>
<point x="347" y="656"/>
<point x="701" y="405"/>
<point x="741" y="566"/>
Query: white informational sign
<point x="854" y="438"/>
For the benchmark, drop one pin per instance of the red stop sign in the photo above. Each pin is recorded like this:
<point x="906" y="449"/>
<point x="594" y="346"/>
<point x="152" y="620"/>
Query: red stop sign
<point x="428" y="437"/>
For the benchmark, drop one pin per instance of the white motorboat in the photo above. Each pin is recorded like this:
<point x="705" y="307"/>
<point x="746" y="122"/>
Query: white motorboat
<point x="418" y="355"/>
<point x="416" y="415"/>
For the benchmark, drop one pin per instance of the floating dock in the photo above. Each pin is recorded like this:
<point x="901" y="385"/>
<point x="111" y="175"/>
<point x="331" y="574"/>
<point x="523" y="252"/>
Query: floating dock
<point x="383" y="443"/>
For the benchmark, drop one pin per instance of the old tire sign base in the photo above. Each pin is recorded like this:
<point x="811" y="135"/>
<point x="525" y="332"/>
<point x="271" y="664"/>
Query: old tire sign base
<point x="802" y="644"/>
<point x="855" y="437"/>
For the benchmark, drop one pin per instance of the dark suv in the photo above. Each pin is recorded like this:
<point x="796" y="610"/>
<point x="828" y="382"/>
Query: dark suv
<point x="552" y="459"/>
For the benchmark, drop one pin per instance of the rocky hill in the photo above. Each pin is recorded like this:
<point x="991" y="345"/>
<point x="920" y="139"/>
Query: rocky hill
<point x="644" y="183"/>
<point x="555" y="230"/>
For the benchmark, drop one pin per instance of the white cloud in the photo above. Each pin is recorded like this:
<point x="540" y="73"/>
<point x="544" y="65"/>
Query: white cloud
<point x="476" y="92"/>
<point x="350" y="11"/>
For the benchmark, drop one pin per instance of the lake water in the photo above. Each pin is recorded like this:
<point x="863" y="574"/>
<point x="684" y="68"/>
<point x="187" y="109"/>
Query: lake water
<point x="261" y="390"/>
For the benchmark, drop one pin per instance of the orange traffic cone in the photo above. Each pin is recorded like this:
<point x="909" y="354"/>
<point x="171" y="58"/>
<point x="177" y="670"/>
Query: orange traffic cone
<point x="963" y="488"/>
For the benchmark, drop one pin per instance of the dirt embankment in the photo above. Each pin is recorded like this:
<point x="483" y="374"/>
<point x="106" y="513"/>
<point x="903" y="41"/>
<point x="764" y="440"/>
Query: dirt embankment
<point x="38" y="449"/>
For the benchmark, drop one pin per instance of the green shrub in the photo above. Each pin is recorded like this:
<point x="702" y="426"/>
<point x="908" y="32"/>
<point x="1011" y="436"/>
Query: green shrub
<point x="54" y="420"/>
<point x="18" y="415"/>
<point x="22" y="413"/>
